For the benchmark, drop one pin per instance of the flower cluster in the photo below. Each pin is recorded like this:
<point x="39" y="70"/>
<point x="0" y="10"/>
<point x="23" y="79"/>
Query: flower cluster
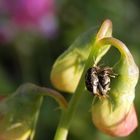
<point x="113" y="114"/>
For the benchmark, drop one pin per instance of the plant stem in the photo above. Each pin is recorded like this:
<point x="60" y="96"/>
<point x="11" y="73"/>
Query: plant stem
<point x="62" y="130"/>
<point x="44" y="91"/>
<point x="95" y="55"/>
<point x="35" y="120"/>
<point x="54" y="94"/>
<point x="118" y="44"/>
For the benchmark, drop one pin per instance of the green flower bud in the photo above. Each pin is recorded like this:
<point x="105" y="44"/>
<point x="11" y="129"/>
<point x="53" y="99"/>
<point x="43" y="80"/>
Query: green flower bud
<point x="19" y="111"/>
<point x="116" y="115"/>
<point x="67" y="69"/>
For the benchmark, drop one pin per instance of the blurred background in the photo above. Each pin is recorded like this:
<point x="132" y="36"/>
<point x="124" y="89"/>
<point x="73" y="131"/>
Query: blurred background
<point x="33" y="33"/>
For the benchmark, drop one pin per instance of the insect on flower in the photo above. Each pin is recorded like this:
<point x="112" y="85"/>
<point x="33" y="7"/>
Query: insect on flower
<point x="97" y="80"/>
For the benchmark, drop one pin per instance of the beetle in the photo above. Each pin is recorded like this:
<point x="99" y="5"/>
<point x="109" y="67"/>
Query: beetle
<point x="97" y="80"/>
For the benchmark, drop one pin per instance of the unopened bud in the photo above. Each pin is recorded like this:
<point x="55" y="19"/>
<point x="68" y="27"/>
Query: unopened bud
<point x="67" y="69"/>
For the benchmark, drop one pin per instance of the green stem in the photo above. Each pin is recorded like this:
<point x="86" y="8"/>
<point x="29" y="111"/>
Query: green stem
<point x="43" y="91"/>
<point x="94" y="57"/>
<point x="118" y="44"/>
<point x="54" y="94"/>
<point x="35" y="121"/>
<point x="63" y="127"/>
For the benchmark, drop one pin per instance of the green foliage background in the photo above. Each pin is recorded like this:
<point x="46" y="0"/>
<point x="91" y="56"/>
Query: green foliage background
<point x="30" y="59"/>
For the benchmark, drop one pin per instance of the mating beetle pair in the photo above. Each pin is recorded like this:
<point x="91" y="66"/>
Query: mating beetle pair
<point x="97" y="80"/>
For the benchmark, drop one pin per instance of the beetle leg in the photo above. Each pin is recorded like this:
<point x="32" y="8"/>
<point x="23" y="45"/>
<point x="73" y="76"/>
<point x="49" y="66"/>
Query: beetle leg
<point x="101" y="90"/>
<point x="113" y="75"/>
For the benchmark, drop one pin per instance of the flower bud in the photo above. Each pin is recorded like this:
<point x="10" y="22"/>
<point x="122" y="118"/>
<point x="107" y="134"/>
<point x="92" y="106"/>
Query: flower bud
<point x="115" y="123"/>
<point x="67" y="69"/>
<point x="19" y="111"/>
<point x="115" y="115"/>
<point x="18" y="114"/>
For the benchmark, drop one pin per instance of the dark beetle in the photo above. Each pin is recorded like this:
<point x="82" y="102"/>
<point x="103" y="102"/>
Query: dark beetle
<point x="97" y="80"/>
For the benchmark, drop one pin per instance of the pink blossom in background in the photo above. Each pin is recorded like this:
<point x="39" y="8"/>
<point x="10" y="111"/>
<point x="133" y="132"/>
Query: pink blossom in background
<point x="26" y="12"/>
<point x="32" y="15"/>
